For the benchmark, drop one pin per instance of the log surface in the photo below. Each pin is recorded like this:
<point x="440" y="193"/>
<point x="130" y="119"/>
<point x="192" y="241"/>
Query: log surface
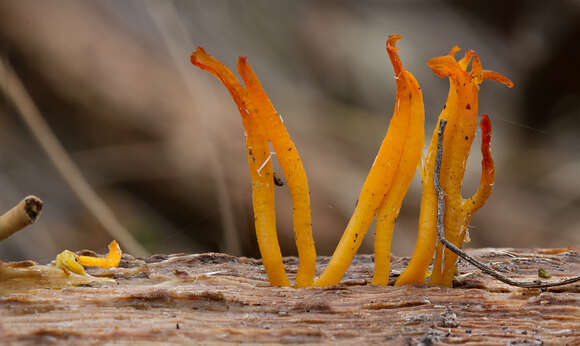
<point x="217" y="298"/>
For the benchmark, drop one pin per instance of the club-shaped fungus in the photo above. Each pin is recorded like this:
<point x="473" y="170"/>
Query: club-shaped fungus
<point x="460" y="112"/>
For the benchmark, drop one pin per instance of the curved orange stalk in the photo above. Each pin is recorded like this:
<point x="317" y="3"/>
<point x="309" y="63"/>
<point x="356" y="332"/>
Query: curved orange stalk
<point x="111" y="261"/>
<point x="260" y="168"/>
<point x="395" y="164"/>
<point x="460" y="111"/>
<point x="292" y="168"/>
<point x="264" y="203"/>
<point x="409" y="99"/>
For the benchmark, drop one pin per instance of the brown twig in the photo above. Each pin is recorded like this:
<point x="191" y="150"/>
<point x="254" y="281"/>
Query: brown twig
<point x="23" y="214"/>
<point x="17" y="94"/>
<point x="441" y="229"/>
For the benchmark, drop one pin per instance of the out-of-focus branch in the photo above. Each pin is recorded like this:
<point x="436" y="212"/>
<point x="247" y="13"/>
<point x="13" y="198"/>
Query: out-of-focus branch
<point x="23" y="214"/>
<point x="167" y="20"/>
<point x="11" y="85"/>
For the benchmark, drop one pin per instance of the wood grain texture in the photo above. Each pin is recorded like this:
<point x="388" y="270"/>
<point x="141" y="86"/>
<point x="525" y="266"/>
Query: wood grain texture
<point x="217" y="298"/>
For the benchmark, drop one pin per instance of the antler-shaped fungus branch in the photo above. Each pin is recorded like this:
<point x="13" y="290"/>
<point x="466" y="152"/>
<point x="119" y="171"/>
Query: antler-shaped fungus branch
<point x="460" y="112"/>
<point x="486" y="129"/>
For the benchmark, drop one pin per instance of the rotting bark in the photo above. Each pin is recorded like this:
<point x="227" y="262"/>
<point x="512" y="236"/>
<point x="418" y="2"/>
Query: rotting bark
<point x="219" y="298"/>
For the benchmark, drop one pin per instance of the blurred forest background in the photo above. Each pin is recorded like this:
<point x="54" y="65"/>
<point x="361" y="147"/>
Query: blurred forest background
<point x="162" y="143"/>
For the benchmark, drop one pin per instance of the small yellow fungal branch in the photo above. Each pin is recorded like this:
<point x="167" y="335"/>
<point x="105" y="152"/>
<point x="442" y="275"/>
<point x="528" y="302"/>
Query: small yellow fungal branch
<point x="70" y="261"/>
<point x="388" y="179"/>
<point x="110" y="261"/>
<point x="460" y="112"/>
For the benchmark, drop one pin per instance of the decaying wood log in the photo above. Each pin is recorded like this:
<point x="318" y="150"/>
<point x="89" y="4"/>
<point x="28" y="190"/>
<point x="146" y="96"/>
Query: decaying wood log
<point x="219" y="298"/>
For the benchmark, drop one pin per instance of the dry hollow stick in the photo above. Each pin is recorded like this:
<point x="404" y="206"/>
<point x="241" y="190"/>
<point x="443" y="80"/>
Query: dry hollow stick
<point x="388" y="179"/>
<point x="23" y="214"/>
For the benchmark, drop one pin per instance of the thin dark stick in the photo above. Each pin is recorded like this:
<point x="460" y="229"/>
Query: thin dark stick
<point x="441" y="228"/>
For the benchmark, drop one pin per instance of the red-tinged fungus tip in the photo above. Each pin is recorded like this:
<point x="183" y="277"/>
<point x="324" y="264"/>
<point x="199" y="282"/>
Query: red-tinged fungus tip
<point x="242" y="64"/>
<point x="488" y="169"/>
<point x="115" y="254"/>
<point x="392" y="40"/>
<point x="392" y="50"/>
<point x="485" y="126"/>
<point x="198" y="55"/>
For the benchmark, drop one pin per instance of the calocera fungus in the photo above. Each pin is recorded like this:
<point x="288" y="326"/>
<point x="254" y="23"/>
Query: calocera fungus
<point x="263" y="124"/>
<point x="385" y="186"/>
<point x="452" y="247"/>
<point x="382" y="193"/>
<point x="70" y="261"/>
<point x="460" y="112"/>
<point x="388" y="180"/>
<point x="112" y="259"/>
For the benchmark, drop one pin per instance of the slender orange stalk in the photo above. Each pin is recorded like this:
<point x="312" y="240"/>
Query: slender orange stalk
<point x="407" y="89"/>
<point x="260" y="168"/>
<point x="460" y="112"/>
<point x="444" y="264"/>
<point x="388" y="180"/>
<point x="394" y="165"/>
<point x="293" y="169"/>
